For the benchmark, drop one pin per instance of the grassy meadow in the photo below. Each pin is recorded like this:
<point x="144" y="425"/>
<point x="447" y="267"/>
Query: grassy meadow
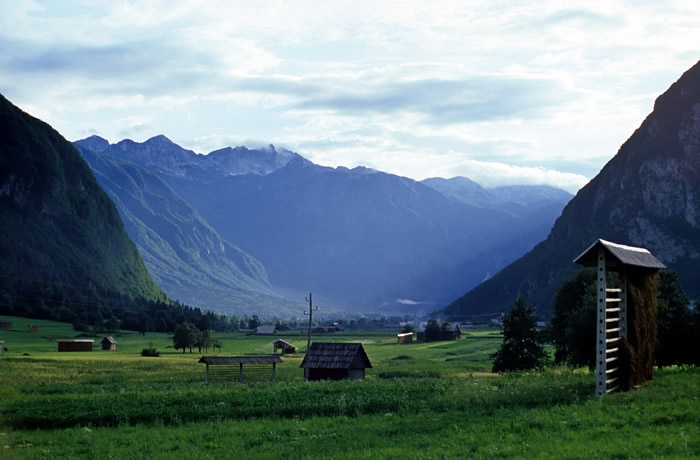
<point x="435" y="400"/>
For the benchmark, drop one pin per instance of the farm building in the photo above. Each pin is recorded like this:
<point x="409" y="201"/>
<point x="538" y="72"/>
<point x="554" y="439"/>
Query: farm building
<point x="626" y="286"/>
<point x="2" y="347"/>
<point x="336" y="361"/>
<point x="109" y="344"/>
<point x="240" y="368"/>
<point x="75" y="345"/>
<point x="5" y="324"/>
<point x="266" y="330"/>
<point x="32" y="329"/>
<point x="447" y="331"/>
<point x="404" y="338"/>
<point x="286" y="347"/>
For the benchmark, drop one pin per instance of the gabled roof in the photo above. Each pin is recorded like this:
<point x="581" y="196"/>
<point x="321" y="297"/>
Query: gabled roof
<point x="625" y="255"/>
<point x="266" y="329"/>
<point x="109" y="339"/>
<point x="336" y="356"/>
<point x="282" y="342"/>
<point x="265" y="359"/>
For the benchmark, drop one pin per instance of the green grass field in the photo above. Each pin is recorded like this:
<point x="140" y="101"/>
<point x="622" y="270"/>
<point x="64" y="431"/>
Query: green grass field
<point x="435" y="400"/>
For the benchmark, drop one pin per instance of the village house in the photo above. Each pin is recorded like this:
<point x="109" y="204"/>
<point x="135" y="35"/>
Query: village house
<point x="336" y="361"/>
<point x="109" y="344"/>
<point x="75" y="345"/>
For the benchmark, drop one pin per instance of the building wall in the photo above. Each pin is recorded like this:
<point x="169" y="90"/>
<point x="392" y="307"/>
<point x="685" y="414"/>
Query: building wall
<point x="74" y="346"/>
<point x="356" y="374"/>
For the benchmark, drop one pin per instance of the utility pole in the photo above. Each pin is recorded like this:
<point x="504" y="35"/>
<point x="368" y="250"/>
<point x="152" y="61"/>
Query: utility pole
<point x="308" y="340"/>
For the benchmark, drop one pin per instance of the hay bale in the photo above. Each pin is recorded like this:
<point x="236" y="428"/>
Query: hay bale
<point x="637" y="352"/>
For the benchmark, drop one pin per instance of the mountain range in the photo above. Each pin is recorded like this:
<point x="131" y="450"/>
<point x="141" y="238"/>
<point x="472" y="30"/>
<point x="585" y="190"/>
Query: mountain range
<point x="647" y="195"/>
<point x="359" y="238"/>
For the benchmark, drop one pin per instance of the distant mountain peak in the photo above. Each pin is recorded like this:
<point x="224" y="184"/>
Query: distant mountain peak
<point x="95" y="143"/>
<point x="160" y="139"/>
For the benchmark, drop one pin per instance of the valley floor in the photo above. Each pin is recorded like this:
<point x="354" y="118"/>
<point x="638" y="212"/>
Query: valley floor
<point x="421" y="400"/>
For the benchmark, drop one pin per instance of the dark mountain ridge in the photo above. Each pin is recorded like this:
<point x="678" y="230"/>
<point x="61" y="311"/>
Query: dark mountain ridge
<point x="647" y="195"/>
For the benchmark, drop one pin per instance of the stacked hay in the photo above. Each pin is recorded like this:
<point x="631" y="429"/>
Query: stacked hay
<point x="637" y="357"/>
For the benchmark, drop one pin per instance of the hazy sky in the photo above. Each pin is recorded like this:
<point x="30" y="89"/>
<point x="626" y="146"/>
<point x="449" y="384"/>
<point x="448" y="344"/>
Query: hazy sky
<point x="501" y="92"/>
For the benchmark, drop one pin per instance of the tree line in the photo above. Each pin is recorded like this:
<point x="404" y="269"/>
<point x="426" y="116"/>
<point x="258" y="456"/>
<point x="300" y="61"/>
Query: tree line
<point x="572" y="330"/>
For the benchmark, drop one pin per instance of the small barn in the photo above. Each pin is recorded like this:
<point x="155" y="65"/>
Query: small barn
<point x="5" y="324"/>
<point x="451" y="332"/>
<point x="404" y="338"/>
<point x="626" y="286"/>
<point x="240" y="368"/>
<point x="109" y="344"/>
<point x="285" y="347"/>
<point x="2" y="347"/>
<point x="75" y="345"/>
<point x="32" y="329"/>
<point x="266" y="330"/>
<point x="336" y="361"/>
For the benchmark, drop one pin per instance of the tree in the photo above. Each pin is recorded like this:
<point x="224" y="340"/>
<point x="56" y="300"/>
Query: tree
<point x="522" y="348"/>
<point x="203" y="340"/>
<point x="573" y="324"/>
<point x="253" y="322"/>
<point x="676" y="324"/>
<point x="432" y="331"/>
<point x="408" y="328"/>
<point x="185" y="336"/>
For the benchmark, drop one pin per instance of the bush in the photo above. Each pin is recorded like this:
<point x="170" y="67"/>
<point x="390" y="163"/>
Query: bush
<point x="150" y="351"/>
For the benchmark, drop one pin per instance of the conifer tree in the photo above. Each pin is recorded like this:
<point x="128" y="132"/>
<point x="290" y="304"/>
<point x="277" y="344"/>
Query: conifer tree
<point x="523" y="347"/>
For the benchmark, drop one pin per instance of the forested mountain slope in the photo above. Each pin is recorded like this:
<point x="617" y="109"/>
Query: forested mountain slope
<point x="62" y="237"/>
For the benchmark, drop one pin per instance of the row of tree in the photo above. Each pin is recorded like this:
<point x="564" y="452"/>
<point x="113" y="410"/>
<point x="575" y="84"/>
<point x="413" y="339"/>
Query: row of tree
<point x="572" y="330"/>
<point x="188" y="336"/>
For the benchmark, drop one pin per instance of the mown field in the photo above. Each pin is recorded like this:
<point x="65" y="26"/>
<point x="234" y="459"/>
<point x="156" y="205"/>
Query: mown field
<point x="435" y="400"/>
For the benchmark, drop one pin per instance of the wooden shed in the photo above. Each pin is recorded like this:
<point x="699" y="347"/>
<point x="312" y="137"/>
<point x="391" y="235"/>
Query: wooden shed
<point x="75" y="345"/>
<point x="286" y="347"/>
<point x="404" y="338"/>
<point x="336" y="361"/>
<point x="32" y="329"/>
<point x="109" y="344"/>
<point x="626" y="286"/>
<point x="6" y="324"/>
<point x="231" y="368"/>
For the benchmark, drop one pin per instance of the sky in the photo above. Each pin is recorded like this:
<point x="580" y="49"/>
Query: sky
<point x="502" y="92"/>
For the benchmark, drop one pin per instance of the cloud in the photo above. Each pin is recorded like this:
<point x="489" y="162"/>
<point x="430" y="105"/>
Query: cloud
<point x="531" y="91"/>
<point x="443" y="101"/>
<point x="408" y="302"/>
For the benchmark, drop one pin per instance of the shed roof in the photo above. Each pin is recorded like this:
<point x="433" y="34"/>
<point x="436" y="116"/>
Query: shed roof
<point x="625" y="255"/>
<point x="263" y="359"/>
<point x="109" y="339"/>
<point x="76" y="341"/>
<point x="282" y="342"/>
<point x="336" y="356"/>
<point x="266" y="329"/>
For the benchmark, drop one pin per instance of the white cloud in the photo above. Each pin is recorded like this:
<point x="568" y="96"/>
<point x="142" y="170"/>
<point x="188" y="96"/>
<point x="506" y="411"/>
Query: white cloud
<point x="537" y="92"/>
